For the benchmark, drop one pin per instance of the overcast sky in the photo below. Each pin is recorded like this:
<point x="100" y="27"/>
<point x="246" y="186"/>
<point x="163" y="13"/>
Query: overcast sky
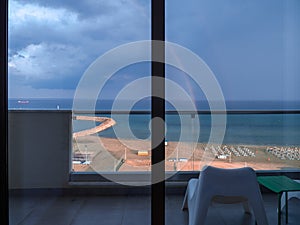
<point x="252" y="46"/>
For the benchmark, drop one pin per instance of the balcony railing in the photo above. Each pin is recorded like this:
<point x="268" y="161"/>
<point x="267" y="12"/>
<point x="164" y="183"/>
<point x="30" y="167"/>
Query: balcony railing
<point x="42" y="150"/>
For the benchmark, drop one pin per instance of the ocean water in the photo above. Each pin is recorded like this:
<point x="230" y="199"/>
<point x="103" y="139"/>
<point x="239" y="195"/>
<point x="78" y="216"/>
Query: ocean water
<point x="242" y="128"/>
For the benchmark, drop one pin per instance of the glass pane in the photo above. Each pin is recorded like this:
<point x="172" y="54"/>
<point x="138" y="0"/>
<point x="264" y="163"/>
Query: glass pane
<point x="52" y="47"/>
<point x="252" y="49"/>
<point x="111" y="129"/>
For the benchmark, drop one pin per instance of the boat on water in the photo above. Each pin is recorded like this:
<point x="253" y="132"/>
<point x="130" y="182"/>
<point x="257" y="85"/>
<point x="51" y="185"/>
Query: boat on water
<point x="23" y="101"/>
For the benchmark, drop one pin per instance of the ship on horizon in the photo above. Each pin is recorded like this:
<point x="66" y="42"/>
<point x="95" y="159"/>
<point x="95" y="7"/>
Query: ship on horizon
<point x="23" y="101"/>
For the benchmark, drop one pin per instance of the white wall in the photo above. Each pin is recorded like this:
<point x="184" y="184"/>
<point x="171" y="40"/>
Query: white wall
<point x="39" y="149"/>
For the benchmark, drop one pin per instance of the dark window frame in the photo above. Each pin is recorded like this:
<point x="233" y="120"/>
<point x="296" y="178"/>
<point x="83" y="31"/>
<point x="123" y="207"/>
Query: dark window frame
<point x="4" y="113"/>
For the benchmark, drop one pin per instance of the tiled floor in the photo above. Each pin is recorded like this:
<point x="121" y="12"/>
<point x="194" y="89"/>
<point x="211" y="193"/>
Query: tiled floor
<point x="130" y="210"/>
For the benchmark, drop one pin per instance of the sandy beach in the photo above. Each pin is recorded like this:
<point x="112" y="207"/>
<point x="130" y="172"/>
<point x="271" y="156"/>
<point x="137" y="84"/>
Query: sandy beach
<point x="94" y="153"/>
<point x="109" y="154"/>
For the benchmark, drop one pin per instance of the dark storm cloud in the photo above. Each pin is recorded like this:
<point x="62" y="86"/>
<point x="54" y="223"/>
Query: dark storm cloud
<point x="51" y="42"/>
<point x="84" y="8"/>
<point x="252" y="46"/>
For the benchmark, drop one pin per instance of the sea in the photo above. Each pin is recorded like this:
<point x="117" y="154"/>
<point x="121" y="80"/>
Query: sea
<point x="274" y="123"/>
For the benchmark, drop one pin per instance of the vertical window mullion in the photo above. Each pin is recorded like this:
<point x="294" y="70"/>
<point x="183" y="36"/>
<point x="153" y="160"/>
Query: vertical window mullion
<point x="158" y="112"/>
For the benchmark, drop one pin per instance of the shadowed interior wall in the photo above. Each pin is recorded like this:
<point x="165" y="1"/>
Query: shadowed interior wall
<point x="39" y="149"/>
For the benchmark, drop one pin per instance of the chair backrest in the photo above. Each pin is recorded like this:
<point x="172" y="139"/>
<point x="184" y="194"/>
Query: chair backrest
<point x="240" y="182"/>
<point x="230" y="182"/>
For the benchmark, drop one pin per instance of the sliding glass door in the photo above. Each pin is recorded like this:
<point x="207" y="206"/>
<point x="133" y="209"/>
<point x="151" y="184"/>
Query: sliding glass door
<point x="135" y="93"/>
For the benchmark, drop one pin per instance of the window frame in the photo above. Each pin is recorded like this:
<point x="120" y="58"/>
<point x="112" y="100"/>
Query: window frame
<point x="157" y="110"/>
<point x="4" y="112"/>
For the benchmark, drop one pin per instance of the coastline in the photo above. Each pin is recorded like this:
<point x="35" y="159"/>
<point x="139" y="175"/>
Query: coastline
<point x="107" y="154"/>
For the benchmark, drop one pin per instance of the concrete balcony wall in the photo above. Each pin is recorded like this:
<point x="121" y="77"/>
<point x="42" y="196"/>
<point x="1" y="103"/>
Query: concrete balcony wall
<point x="39" y="144"/>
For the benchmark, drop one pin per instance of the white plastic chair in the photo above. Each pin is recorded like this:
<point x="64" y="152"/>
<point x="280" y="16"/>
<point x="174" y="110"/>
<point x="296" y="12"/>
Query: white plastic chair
<point x="226" y="186"/>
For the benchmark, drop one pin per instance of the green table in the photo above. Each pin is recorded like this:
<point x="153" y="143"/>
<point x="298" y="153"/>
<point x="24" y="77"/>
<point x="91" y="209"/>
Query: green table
<point x="279" y="185"/>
